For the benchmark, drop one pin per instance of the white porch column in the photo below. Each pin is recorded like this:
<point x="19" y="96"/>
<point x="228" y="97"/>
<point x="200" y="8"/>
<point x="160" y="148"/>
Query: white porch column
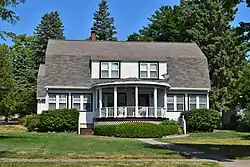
<point x="100" y="102"/>
<point x="165" y="101"/>
<point x="115" y="101"/>
<point x="155" y="101"/>
<point x="70" y="103"/>
<point x="136" y="101"/>
<point x="96" y="100"/>
<point x="208" y="100"/>
<point x="197" y="102"/>
<point x="186" y="102"/>
<point x="57" y="102"/>
<point x="46" y="101"/>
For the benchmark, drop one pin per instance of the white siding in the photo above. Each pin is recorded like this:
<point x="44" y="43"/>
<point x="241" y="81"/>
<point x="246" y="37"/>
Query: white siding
<point x="129" y="69"/>
<point x="95" y="69"/>
<point x="162" y="70"/>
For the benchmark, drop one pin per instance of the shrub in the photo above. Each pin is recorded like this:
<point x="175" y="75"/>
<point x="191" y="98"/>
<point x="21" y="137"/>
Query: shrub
<point x="31" y="122"/>
<point x="169" y="122"/>
<point x="202" y="120"/>
<point x="59" y="120"/>
<point x="136" y="130"/>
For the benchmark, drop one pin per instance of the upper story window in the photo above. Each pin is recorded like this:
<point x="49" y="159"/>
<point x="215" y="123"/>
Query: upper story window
<point x="110" y="70"/>
<point x="149" y="70"/>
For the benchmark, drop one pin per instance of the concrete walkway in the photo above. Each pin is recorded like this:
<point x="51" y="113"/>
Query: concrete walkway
<point x="197" y="154"/>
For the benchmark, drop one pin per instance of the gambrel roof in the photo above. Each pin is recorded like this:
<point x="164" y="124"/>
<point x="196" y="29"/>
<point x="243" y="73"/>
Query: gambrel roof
<point x="67" y="62"/>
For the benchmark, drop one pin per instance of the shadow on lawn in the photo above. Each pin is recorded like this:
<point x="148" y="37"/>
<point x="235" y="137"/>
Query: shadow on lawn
<point x="11" y="137"/>
<point x="223" y="153"/>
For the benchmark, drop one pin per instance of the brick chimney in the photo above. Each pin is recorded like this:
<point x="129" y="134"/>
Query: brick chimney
<point x="93" y="36"/>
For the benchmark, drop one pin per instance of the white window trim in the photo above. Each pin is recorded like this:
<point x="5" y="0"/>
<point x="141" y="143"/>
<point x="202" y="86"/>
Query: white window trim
<point x="57" y="100"/>
<point x="148" y="70"/>
<point x="110" y="70"/>
<point x="198" y="101"/>
<point x="183" y="104"/>
<point x="82" y="102"/>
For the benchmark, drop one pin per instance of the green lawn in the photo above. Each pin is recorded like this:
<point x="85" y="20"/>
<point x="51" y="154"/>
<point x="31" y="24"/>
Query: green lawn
<point x="234" y="145"/>
<point x="114" y="164"/>
<point x="16" y="143"/>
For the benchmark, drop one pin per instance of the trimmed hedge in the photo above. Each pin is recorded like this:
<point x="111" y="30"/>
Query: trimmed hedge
<point x="169" y="122"/>
<point x="31" y="122"/>
<point x="136" y="130"/>
<point x="60" y="120"/>
<point x="202" y="120"/>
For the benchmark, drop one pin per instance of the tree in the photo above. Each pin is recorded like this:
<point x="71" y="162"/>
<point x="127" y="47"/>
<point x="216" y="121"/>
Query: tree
<point x="6" y="81"/>
<point x="134" y="37"/>
<point x="8" y="15"/>
<point x="104" y="23"/>
<point x="208" y="24"/>
<point x="23" y="66"/>
<point x="50" y="27"/>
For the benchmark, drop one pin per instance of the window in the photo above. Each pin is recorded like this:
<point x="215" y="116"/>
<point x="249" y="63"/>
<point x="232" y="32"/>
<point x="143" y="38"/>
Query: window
<point x="110" y="70"/>
<point x="62" y="101"/>
<point x="202" y="101"/>
<point x="82" y="102"/>
<point x="52" y="101"/>
<point x="192" y="102"/>
<point x="170" y="103"/>
<point x="180" y="102"/>
<point x="148" y="70"/>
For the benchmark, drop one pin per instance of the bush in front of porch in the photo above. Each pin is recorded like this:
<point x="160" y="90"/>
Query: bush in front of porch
<point x="137" y="130"/>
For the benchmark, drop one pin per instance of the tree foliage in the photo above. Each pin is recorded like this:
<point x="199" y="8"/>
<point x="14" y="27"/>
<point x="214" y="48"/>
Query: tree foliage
<point x="8" y="15"/>
<point x="50" y="27"/>
<point x="208" y="24"/>
<point x="104" y="23"/>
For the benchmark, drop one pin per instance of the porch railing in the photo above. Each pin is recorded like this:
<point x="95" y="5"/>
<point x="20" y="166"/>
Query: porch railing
<point x="129" y="111"/>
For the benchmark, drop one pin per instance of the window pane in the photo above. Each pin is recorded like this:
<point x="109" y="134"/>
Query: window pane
<point x="114" y="74"/>
<point x="144" y="67"/>
<point x="203" y="99"/>
<point x="153" y="74"/>
<point x="180" y="107"/>
<point x="180" y="99"/>
<point x="105" y="74"/>
<point x="192" y="99"/>
<point x="87" y="107"/>
<point x="144" y="74"/>
<point x="76" y="106"/>
<point x="170" y="107"/>
<point x="153" y="67"/>
<point x="52" y="98"/>
<point x="170" y="99"/>
<point x="203" y="106"/>
<point x="86" y="99"/>
<point x="105" y="66"/>
<point x="115" y="66"/>
<point x="192" y="106"/>
<point x="62" y="105"/>
<point x="52" y="106"/>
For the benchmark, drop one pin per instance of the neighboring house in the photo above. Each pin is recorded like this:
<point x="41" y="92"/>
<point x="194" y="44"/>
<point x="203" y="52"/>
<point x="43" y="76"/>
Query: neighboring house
<point x="113" y="82"/>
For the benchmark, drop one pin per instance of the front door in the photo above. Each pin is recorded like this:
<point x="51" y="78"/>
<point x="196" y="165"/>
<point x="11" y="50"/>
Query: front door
<point x="144" y="100"/>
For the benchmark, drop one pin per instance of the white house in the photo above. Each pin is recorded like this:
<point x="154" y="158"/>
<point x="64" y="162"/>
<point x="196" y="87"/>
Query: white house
<point x="112" y="82"/>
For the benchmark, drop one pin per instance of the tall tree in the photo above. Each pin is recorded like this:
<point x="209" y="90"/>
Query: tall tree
<point x="8" y="15"/>
<point x="23" y="66"/>
<point x="104" y="23"/>
<point x="51" y="27"/>
<point x="208" y="24"/>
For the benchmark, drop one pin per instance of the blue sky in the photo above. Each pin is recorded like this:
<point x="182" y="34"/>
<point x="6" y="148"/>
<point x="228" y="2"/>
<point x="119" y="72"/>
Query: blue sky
<point x="77" y="15"/>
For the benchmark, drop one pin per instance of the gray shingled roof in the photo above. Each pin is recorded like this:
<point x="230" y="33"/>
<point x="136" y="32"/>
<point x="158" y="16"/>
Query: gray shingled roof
<point x="68" y="62"/>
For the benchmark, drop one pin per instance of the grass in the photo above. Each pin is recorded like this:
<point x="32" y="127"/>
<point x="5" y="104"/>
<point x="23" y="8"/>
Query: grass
<point x="16" y="143"/>
<point x="230" y="144"/>
<point x="114" y="164"/>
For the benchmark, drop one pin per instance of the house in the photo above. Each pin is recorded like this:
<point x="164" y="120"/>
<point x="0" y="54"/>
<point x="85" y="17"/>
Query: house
<point x="113" y="82"/>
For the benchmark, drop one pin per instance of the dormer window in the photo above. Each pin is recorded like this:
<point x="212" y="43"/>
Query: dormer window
<point x="110" y="70"/>
<point x="148" y="70"/>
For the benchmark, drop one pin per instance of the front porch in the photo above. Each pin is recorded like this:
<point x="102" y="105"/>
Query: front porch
<point x="131" y="101"/>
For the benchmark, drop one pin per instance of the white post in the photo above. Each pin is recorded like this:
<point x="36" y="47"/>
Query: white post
<point x="197" y="102"/>
<point x="165" y="102"/>
<point x="115" y="101"/>
<point x="186" y="102"/>
<point x="70" y="103"/>
<point x="155" y="101"/>
<point x="208" y="100"/>
<point x="57" y="102"/>
<point x="136" y="101"/>
<point x="100" y="102"/>
<point x="175" y="103"/>
<point x="93" y="102"/>
<point x="81" y="103"/>
<point x="47" y="100"/>
<point x="96" y="100"/>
